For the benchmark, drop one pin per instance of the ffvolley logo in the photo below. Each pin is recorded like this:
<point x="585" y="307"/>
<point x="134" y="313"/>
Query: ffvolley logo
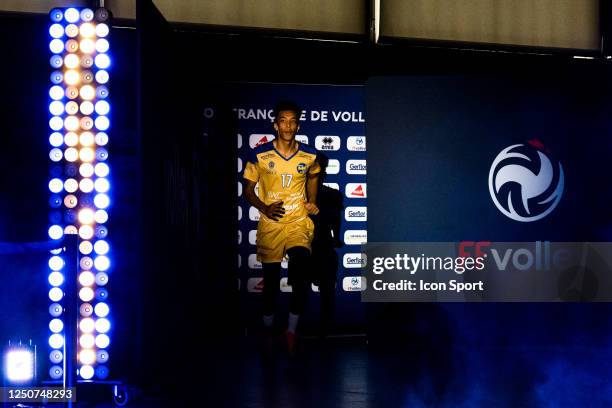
<point x="524" y="183"/>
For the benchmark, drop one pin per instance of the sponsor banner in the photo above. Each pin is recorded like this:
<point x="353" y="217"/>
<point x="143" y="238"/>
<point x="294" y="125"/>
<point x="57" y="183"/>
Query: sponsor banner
<point x="284" y="287"/>
<point x="356" y="143"/>
<point x="327" y="143"/>
<point x="355" y="237"/>
<point x="253" y="262"/>
<point x="253" y="237"/>
<point x="253" y="214"/>
<point x="239" y="140"/>
<point x="354" y="283"/>
<point x="255" y="285"/>
<point x="356" y="190"/>
<point x="354" y="260"/>
<point x="356" y="167"/>
<point x="335" y="186"/>
<point x="333" y="167"/>
<point x="356" y="213"/>
<point x="239" y="165"/>
<point x="302" y="139"/>
<point x="257" y="139"/>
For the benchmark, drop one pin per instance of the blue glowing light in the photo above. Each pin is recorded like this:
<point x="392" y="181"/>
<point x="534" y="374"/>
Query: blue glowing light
<point x="56" y="278"/>
<point x="56" y="15"/>
<point x="56" y="232"/>
<point x="56" y="341"/>
<point x="102" y="61"/>
<point x="56" y="325"/>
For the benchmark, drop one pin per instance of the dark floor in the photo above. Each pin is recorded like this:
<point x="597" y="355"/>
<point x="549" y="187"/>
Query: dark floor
<point x="347" y="372"/>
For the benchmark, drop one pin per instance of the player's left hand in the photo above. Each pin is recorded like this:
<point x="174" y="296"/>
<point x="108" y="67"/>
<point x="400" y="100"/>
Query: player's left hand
<point x="311" y="208"/>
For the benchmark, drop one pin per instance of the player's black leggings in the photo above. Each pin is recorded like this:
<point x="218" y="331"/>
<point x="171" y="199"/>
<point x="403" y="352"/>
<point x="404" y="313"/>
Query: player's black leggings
<point x="299" y="258"/>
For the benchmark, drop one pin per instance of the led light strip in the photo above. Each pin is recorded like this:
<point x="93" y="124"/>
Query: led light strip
<point x="79" y="182"/>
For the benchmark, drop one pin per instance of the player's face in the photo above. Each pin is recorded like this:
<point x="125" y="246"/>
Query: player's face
<point x="286" y="125"/>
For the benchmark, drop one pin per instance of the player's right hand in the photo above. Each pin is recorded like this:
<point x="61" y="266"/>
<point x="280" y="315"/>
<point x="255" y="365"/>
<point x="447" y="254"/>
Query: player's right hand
<point x="275" y="211"/>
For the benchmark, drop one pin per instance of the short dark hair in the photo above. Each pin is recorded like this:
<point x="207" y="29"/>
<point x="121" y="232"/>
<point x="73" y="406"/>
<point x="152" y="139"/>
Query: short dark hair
<point x="287" y="106"/>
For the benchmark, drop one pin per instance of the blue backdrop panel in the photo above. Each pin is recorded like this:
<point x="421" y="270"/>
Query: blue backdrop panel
<point x="333" y="122"/>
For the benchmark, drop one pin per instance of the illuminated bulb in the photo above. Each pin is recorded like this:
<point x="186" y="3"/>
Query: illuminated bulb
<point x="72" y="92"/>
<point x="87" y="14"/>
<point x="87" y="30"/>
<point x="56" y="139"/>
<point x="70" y="230"/>
<point x="87" y="108"/>
<point x="56" y="108"/>
<point x="102" y="123"/>
<point x="71" y="154"/>
<point x="101" y="278"/>
<point x="87" y="340"/>
<point x="56" y="341"/>
<point x="71" y="123"/>
<point x="71" y="185"/>
<point x="71" y="61"/>
<point x="71" y="139"/>
<point x="56" y="325"/>
<point x="70" y="201"/>
<point x="56" y="294"/>
<point x="56" y="278"/>
<point x="72" y="77"/>
<point x="56" y="46"/>
<point x="101" y="217"/>
<point x="101" y="139"/>
<point x="87" y="61"/>
<point x="72" y="45"/>
<point x="56" y="185"/>
<point x="101" y="309"/>
<point x="56" y="61"/>
<point x="72" y="30"/>
<point x="102" y="325"/>
<point x="88" y="357"/>
<point x="86" y="170"/>
<point x="86" y="185"/>
<point x="56" y="30"/>
<point x="56" y="263"/>
<point x="56" y="232"/>
<point x="87" y="46"/>
<point x="101" y="185"/>
<point x="87" y="325"/>
<point x="101" y="247"/>
<point x="86" y="123"/>
<point x="86" y="372"/>
<point x="56" y="92"/>
<point x="86" y="232"/>
<point x="87" y="92"/>
<point x="86" y="216"/>
<point x="85" y="247"/>
<point x="102" y="341"/>
<point x="72" y="108"/>
<point x="87" y="154"/>
<point x="101" y="201"/>
<point x="102" y="30"/>
<point x="102" y="61"/>
<point x="102" y="76"/>
<point x="102" y="45"/>
<point x="86" y="139"/>
<point x="102" y="107"/>
<point x="86" y="278"/>
<point x="72" y="15"/>
<point x="87" y="77"/>
<point x="102" y="263"/>
<point x="86" y="294"/>
<point x="55" y="154"/>
<point x="101" y="170"/>
<point x="54" y="123"/>
<point x="57" y="77"/>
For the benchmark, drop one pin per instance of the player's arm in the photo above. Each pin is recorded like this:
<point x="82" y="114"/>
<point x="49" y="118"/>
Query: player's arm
<point x="274" y="211"/>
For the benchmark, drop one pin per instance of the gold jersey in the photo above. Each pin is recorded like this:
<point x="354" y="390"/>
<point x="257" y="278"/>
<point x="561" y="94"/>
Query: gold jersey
<point x="282" y="179"/>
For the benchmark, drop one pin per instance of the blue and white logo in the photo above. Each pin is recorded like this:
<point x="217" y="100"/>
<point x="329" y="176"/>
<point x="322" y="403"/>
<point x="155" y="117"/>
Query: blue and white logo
<point x="524" y="183"/>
